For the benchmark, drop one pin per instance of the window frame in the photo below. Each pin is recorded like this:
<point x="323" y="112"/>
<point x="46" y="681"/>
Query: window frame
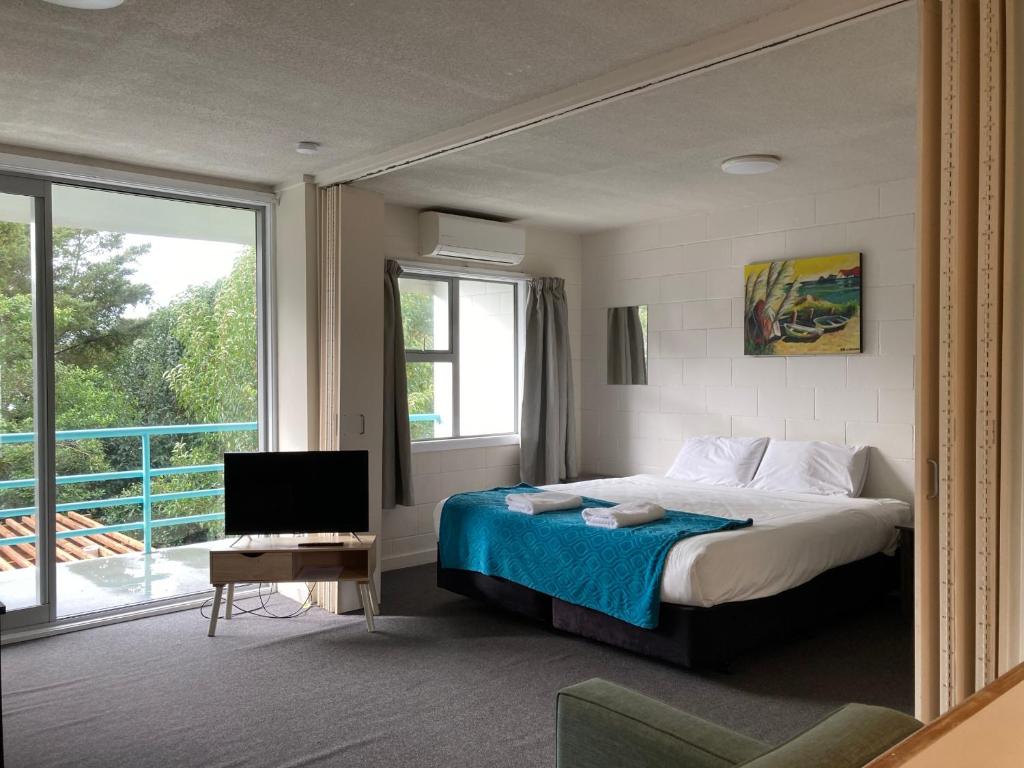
<point x="453" y="354"/>
<point x="266" y="307"/>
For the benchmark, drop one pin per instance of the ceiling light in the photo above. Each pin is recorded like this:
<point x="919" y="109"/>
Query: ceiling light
<point x="87" y="5"/>
<point x="748" y="165"/>
<point x="307" y="147"/>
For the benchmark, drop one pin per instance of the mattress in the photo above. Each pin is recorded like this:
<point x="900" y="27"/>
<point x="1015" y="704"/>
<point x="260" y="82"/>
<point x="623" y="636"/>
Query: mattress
<point x="794" y="538"/>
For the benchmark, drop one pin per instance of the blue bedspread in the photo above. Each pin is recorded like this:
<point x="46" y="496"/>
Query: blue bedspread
<point x="616" y="571"/>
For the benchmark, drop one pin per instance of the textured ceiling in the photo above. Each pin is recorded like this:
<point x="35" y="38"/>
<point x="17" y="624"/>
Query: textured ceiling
<point x="839" y="107"/>
<point x="226" y="87"/>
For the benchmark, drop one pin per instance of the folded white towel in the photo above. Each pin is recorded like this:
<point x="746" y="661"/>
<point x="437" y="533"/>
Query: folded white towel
<point x="545" y="501"/>
<point x="623" y="515"/>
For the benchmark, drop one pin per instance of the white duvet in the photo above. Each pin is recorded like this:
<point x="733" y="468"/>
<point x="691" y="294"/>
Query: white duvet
<point x="794" y="537"/>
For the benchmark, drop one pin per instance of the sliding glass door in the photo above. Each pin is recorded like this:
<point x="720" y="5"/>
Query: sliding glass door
<point x="132" y="359"/>
<point x="26" y="412"/>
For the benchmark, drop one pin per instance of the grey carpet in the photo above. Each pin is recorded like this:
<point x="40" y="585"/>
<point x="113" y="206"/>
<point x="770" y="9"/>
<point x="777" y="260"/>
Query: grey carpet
<point x="444" y="681"/>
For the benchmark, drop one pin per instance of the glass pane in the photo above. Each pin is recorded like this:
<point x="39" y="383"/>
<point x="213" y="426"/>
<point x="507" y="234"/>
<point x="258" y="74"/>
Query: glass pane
<point x="487" y="358"/>
<point x="19" y="571"/>
<point x="424" y="314"/>
<point x="430" y="400"/>
<point x="155" y="319"/>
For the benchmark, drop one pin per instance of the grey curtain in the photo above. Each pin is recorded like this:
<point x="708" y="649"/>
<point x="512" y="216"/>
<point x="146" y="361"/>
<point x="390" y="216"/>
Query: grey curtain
<point x="627" y="363"/>
<point x="397" y="455"/>
<point x="548" y="429"/>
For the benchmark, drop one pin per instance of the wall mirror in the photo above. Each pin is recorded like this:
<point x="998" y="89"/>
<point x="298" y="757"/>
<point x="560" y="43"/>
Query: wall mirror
<point x="627" y="345"/>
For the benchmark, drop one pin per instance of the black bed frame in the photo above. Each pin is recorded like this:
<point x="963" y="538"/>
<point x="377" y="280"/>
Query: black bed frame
<point x="698" y="638"/>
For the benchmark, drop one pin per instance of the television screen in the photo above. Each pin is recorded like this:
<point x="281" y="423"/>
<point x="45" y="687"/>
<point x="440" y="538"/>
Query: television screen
<point x="296" y="492"/>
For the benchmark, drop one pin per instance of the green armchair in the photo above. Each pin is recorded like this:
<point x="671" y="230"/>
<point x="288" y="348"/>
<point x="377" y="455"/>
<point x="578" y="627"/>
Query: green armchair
<point x="601" y="725"/>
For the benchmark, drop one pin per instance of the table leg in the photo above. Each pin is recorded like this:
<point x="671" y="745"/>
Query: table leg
<point x="231" y="601"/>
<point x="215" y="611"/>
<point x="373" y="597"/>
<point x="367" y="604"/>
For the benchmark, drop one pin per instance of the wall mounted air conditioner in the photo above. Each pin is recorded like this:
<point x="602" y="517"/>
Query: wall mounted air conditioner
<point x="446" y="236"/>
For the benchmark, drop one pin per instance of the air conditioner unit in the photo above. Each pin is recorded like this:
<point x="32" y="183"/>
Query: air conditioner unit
<point x="446" y="236"/>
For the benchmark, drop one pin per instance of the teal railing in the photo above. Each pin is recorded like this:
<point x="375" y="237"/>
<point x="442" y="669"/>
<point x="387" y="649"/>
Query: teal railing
<point x="417" y="417"/>
<point x="146" y="472"/>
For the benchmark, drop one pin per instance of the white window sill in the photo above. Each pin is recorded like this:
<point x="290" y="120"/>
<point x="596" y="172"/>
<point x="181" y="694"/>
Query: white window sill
<point x="461" y="443"/>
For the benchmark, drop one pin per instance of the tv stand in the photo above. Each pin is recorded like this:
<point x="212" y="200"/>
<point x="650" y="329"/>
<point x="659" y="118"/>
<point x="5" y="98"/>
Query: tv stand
<point x="276" y="559"/>
<point x="331" y="540"/>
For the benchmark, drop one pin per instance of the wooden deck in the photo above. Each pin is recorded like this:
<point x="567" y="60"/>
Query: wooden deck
<point x="69" y="550"/>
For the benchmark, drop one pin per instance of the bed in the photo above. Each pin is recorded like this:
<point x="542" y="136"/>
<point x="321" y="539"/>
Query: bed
<point x="806" y="558"/>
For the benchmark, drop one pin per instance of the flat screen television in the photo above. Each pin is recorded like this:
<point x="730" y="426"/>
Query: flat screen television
<point x="296" y="492"/>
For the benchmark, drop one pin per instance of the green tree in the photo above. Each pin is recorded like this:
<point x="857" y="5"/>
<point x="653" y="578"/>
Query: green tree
<point x="216" y="377"/>
<point x="93" y="290"/>
<point x="418" y="330"/>
<point x="192" y="361"/>
<point x="142" y="370"/>
<point x="214" y="380"/>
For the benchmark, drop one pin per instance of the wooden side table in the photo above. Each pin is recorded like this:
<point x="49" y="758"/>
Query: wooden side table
<point x="906" y="564"/>
<point x="310" y="558"/>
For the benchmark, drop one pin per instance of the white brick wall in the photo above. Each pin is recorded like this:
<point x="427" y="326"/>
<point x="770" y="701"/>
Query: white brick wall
<point x="689" y="271"/>
<point x="409" y="531"/>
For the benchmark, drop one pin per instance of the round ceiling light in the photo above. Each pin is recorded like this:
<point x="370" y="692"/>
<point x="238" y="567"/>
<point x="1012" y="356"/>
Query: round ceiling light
<point x="87" y="5"/>
<point x="748" y="165"/>
<point x="307" y="147"/>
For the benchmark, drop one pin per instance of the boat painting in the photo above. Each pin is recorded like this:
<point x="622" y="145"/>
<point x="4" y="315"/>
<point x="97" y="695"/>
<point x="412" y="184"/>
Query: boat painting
<point x="830" y="323"/>
<point x="791" y="332"/>
<point x="806" y="306"/>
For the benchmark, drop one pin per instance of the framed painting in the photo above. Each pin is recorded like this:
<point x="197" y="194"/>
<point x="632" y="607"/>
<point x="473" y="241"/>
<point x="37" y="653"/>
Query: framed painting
<point x="806" y="306"/>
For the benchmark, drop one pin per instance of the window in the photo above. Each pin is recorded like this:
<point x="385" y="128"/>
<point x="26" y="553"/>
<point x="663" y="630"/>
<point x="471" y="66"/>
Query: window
<point x="152" y="327"/>
<point x="461" y="355"/>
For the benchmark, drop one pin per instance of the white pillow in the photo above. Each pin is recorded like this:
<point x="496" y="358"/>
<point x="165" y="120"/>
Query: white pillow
<point x="812" y="467"/>
<point x="718" y="460"/>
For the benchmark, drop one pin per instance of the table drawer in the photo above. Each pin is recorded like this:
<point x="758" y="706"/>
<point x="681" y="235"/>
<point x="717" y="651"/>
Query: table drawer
<point x="264" y="566"/>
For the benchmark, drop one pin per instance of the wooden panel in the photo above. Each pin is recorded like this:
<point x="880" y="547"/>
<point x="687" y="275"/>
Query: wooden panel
<point x="351" y="562"/>
<point x="1004" y="689"/>
<point x="926" y="502"/>
<point x="957" y="352"/>
<point x="1011" y="526"/>
<point x="284" y="559"/>
<point x="309" y="543"/>
<point x="235" y="566"/>
<point x="989" y="323"/>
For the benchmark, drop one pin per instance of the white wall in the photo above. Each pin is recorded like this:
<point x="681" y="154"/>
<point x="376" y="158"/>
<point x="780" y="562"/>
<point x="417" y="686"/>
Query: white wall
<point x="408" y="531"/>
<point x="690" y="272"/>
<point x="297" y="351"/>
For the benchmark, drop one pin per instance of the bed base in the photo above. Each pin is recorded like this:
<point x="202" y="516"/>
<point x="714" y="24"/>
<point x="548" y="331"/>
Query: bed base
<point x="693" y="637"/>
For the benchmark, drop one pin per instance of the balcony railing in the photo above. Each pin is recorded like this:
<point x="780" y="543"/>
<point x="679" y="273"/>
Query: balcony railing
<point x="146" y="472"/>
